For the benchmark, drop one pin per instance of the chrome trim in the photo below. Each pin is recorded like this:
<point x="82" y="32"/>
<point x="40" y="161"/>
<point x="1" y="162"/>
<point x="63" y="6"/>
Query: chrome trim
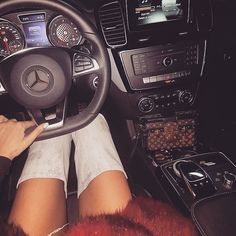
<point x="189" y="11"/>
<point x="183" y="33"/>
<point x="204" y="58"/>
<point x="60" y="123"/>
<point x="2" y="89"/>
<point x="115" y="74"/>
<point x="95" y="82"/>
<point x="175" y="169"/>
<point x="56" y="125"/>
<point x="49" y="32"/>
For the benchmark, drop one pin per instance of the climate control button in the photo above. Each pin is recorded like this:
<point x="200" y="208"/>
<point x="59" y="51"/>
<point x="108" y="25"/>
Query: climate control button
<point x="185" y="97"/>
<point x="146" y="104"/>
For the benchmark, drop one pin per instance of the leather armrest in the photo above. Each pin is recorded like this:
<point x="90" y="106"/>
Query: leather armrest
<point x="216" y="215"/>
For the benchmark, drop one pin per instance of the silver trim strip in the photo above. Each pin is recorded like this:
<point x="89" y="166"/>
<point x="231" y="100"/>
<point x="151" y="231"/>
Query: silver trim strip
<point x="189" y="11"/>
<point x="115" y="74"/>
<point x="204" y="58"/>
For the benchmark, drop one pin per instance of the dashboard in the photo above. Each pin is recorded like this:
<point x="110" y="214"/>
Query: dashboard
<point x="157" y="48"/>
<point x="36" y="29"/>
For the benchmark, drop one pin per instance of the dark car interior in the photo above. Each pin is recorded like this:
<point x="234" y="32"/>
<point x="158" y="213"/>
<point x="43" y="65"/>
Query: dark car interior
<point x="161" y="72"/>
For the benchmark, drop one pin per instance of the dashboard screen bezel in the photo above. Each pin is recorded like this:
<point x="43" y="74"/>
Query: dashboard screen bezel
<point x="162" y="25"/>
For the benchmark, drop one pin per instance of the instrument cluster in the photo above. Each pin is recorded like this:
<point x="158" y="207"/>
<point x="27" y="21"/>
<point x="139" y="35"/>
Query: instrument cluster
<point x="38" y="29"/>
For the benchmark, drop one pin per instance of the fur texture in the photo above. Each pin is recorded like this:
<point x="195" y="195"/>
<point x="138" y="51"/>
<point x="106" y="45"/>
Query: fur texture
<point x="142" y="217"/>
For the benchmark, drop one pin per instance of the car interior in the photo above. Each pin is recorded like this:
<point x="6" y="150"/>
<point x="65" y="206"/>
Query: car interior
<point x="160" y="71"/>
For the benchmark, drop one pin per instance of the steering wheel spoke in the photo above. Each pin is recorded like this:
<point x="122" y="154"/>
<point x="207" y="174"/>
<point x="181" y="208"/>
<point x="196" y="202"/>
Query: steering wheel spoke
<point x="84" y="64"/>
<point x="55" y="115"/>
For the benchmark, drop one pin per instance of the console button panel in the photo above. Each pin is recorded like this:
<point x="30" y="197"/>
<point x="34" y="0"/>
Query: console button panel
<point x="166" y="100"/>
<point x="156" y="66"/>
<point x="157" y="61"/>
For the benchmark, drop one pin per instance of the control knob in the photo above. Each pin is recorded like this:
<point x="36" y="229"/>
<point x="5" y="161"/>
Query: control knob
<point x="229" y="180"/>
<point x="167" y="61"/>
<point x="185" y="97"/>
<point x="146" y="104"/>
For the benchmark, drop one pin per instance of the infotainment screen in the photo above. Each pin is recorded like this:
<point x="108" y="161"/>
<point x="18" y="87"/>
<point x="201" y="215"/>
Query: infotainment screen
<point x="143" y="13"/>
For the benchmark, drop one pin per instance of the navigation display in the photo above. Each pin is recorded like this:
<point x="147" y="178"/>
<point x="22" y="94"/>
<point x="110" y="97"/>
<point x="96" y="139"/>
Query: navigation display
<point x="148" y="12"/>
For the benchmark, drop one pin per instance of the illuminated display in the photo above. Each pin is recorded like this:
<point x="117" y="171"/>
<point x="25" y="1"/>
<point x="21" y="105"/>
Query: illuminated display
<point x="148" y="12"/>
<point x="36" y="34"/>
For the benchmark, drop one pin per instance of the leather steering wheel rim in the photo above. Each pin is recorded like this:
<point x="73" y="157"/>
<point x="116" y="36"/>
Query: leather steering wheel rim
<point x="99" y="51"/>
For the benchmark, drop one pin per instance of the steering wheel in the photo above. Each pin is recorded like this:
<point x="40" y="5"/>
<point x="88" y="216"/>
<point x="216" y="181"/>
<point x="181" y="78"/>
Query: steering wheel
<point x="39" y="78"/>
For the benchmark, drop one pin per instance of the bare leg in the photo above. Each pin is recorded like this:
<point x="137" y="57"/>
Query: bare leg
<point x="107" y="193"/>
<point x="102" y="184"/>
<point x="39" y="206"/>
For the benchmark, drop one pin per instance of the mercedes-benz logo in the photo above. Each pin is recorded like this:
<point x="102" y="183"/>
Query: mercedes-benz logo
<point x="38" y="79"/>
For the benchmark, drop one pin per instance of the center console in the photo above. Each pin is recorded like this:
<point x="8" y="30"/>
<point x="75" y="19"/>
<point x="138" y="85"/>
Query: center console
<point x="200" y="176"/>
<point x="161" y="62"/>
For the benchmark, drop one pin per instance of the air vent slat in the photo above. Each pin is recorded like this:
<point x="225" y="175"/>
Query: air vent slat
<point x="115" y="31"/>
<point x="115" y="35"/>
<point x="111" y="19"/>
<point x="112" y="29"/>
<point x="110" y="14"/>
<point x="112" y="24"/>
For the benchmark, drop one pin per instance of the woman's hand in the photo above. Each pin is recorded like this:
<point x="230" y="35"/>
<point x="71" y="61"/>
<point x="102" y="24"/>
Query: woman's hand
<point x="13" y="139"/>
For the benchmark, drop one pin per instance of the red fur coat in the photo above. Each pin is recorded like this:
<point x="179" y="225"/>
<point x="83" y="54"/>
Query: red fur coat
<point x="142" y="217"/>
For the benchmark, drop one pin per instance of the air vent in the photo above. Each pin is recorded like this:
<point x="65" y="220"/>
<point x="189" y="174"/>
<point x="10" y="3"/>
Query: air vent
<point x="112" y="24"/>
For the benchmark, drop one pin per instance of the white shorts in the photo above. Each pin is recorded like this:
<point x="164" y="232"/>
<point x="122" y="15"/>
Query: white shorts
<point x="95" y="153"/>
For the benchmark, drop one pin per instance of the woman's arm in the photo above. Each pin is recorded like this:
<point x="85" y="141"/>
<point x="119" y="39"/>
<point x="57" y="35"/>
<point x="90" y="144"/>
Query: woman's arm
<point x="13" y="140"/>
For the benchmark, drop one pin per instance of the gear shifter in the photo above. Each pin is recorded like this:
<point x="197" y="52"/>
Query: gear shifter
<point x="197" y="181"/>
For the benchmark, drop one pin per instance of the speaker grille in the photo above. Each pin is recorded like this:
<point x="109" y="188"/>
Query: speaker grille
<point x="112" y="24"/>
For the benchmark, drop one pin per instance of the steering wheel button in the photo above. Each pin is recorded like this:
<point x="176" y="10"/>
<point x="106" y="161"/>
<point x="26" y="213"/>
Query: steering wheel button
<point x="153" y="79"/>
<point x="86" y="59"/>
<point x="79" y="68"/>
<point x="79" y="63"/>
<point x="77" y="56"/>
<point x="87" y="63"/>
<point x="88" y="67"/>
<point x="146" y="80"/>
<point x="50" y="117"/>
